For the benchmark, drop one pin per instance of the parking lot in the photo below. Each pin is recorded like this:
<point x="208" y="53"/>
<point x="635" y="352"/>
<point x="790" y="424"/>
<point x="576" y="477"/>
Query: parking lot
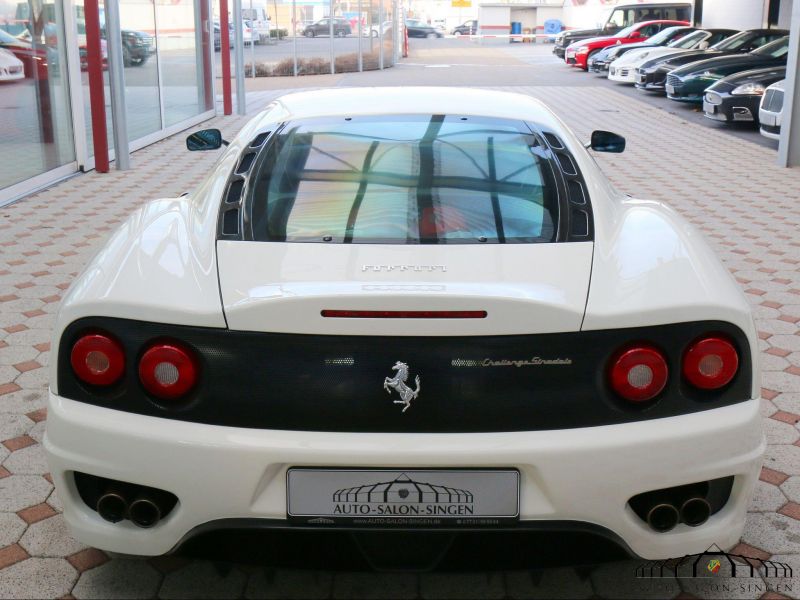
<point x="725" y="181"/>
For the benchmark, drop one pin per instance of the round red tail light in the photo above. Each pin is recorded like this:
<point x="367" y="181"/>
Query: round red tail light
<point x="168" y="370"/>
<point x="98" y="359"/>
<point x="710" y="363"/>
<point x="639" y="373"/>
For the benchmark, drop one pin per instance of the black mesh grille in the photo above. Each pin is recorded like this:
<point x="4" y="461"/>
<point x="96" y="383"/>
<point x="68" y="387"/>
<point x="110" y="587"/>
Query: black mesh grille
<point x="467" y="384"/>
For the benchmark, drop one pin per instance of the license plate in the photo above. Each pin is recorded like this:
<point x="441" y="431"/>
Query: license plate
<point x="710" y="108"/>
<point x="402" y="497"/>
<point x="670" y="90"/>
<point x="768" y="119"/>
<point x="570" y="54"/>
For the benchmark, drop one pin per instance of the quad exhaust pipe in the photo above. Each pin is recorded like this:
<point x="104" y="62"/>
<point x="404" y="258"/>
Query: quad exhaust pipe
<point x="665" y="516"/>
<point x="112" y="506"/>
<point x="145" y="510"/>
<point x="695" y="511"/>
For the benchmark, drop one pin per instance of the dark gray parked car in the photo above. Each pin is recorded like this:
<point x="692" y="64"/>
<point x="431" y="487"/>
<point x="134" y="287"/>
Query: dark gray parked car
<point x="341" y="27"/>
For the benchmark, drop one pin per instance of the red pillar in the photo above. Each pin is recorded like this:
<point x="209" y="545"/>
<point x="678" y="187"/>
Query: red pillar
<point x="97" y="102"/>
<point x="225" y="51"/>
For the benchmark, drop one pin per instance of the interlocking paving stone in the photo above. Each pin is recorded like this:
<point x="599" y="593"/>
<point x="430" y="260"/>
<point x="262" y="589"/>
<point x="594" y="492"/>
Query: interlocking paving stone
<point x="50" y="537"/>
<point x="203" y="580"/>
<point x="290" y="584"/>
<point x="547" y="583"/>
<point x="11" y="528"/>
<point x="28" y="461"/>
<point x="791" y="488"/>
<point x="37" y="578"/>
<point x="21" y="491"/>
<point x="767" y="497"/>
<point x="775" y="533"/>
<point x="119" y="578"/>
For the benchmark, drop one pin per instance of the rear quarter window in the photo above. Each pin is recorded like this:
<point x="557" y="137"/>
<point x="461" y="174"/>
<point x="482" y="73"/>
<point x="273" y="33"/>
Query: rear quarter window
<point x="404" y="180"/>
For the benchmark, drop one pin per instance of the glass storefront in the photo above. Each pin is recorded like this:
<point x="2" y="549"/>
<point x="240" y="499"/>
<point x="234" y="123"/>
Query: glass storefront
<point x="317" y="36"/>
<point x="35" y="107"/>
<point x="167" y="50"/>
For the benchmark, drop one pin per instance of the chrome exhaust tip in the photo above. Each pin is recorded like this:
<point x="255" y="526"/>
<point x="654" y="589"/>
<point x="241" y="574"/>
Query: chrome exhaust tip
<point x="695" y="511"/>
<point x="144" y="513"/>
<point x="112" y="506"/>
<point x="663" y="517"/>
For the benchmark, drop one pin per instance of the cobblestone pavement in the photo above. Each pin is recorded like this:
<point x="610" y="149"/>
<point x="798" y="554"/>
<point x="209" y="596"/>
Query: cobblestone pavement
<point x="732" y="190"/>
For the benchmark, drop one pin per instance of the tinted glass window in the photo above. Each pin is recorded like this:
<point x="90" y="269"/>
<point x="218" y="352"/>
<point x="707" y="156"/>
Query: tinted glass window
<point x="744" y="41"/>
<point x="404" y="180"/>
<point x="776" y="49"/>
<point x="688" y="41"/>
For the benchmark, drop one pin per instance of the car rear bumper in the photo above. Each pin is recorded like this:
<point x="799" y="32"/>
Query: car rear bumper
<point x="578" y="475"/>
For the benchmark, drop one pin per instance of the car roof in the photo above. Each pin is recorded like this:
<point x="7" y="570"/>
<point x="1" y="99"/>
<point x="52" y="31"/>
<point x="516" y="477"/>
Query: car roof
<point x="417" y="100"/>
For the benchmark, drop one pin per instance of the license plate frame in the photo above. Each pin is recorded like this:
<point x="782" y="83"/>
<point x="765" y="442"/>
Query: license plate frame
<point x="709" y="108"/>
<point x="373" y="497"/>
<point x="670" y="89"/>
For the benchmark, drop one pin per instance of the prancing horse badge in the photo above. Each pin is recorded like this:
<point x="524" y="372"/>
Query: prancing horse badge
<point x="398" y="382"/>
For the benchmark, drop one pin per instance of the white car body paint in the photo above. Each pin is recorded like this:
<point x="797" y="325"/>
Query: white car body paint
<point x="769" y="116"/>
<point x="11" y="68"/>
<point x="630" y="61"/>
<point x="646" y="266"/>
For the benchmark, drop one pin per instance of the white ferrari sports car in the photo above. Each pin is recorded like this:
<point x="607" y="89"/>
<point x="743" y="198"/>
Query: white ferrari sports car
<point x="405" y="308"/>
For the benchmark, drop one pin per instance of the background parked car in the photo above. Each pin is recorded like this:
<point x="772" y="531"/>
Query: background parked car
<point x="417" y="28"/>
<point x="137" y="47"/>
<point x="11" y="68"/>
<point x="217" y="42"/>
<point x="466" y="28"/>
<point x="377" y="30"/>
<point x="579" y="53"/>
<point x="624" y="16"/>
<point x="737" y="97"/>
<point x="771" y="110"/>
<point x="341" y="27"/>
<point x="600" y="62"/>
<point x="689" y="83"/>
<point x="34" y="61"/>
<point x="624" y="69"/>
<point x="652" y="75"/>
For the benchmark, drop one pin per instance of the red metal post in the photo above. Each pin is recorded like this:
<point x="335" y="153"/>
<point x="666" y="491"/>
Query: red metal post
<point x="97" y="102"/>
<point x="225" y="52"/>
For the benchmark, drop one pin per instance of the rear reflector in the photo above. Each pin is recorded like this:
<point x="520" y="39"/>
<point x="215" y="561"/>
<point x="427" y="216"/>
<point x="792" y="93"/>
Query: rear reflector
<point x="404" y="314"/>
<point x="638" y="373"/>
<point x="710" y="363"/>
<point x="98" y="359"/>
<point x="168" y="370"/>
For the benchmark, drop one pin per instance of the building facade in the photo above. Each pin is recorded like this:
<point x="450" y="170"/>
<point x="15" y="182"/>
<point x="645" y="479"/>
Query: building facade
<point x="44" y="109"/>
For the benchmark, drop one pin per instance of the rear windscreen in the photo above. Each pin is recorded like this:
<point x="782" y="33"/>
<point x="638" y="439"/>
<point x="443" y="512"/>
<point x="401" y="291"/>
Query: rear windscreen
<point x="404" y="180"/>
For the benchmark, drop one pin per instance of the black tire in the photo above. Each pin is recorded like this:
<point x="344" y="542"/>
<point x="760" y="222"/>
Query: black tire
<point x="309" y="33"/>
<point x="431" y="35"/>
<point x="341" y="33"/>
<point x="126" y="57"/>
<point x="141" y="61"/>
<point x="374" y="33"/>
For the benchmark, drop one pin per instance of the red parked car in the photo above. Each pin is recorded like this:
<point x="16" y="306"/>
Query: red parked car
<point x="578" y="54"/>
